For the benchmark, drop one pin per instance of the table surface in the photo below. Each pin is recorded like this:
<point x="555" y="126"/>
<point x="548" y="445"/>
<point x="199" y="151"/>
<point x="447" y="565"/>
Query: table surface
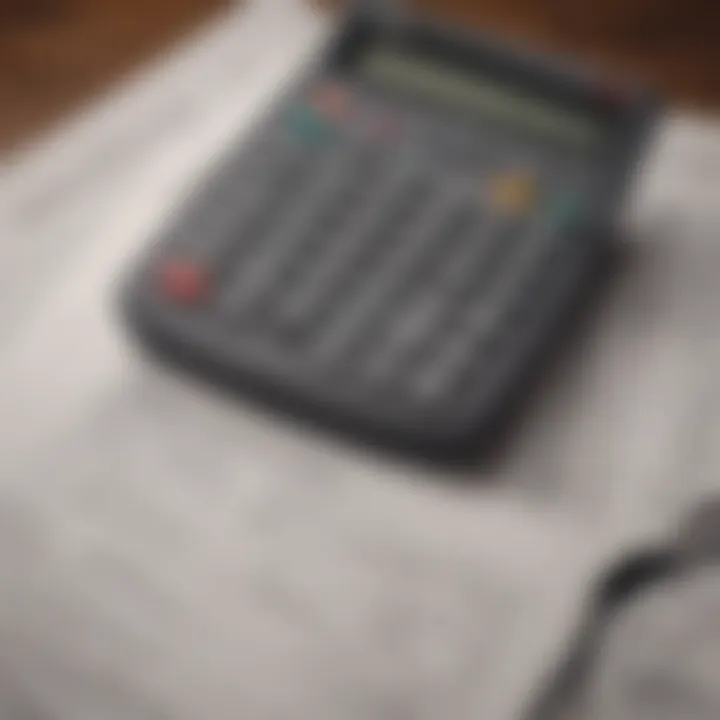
<point x="55" y="54"/>
<point x="165" y="552"/>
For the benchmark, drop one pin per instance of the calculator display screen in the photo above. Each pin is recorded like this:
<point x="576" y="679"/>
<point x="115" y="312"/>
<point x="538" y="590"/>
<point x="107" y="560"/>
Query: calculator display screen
<point x="474" y="92"/>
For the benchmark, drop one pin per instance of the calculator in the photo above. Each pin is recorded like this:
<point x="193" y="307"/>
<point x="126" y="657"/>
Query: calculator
<point x="389" y="250"/>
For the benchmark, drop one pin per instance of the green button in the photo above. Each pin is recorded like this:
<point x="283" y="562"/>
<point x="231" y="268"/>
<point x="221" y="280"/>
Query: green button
<point x="566" y="209"/>
<point x="308" y="125"/>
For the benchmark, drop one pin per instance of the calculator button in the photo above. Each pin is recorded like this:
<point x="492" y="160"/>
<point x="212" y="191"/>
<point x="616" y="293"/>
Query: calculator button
<point x="460" y="350"/>
<point x="308" y="125"/>
<point x="231" y="225"/>
<point x="224" y="201"/>
<point x="409" y="329"/>
<point x="472" y="270"/>
<point x="421" y="305"/>
<point x="538" y="242"/>
<point x="183" y="282"/>
<point x="291" y="231"/>
<point x="331" y="100"/>
<point x="381" y="212"/>
<point x="437" y="379"/>
<point x="565" y="209"/>
<point x="513" y="193"/>
<point x="389" y="272"/>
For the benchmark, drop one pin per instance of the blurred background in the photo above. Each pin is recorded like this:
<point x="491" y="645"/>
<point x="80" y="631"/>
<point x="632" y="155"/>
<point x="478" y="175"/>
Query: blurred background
<point x="164" y="554"/>
<point x="54" y="54"/>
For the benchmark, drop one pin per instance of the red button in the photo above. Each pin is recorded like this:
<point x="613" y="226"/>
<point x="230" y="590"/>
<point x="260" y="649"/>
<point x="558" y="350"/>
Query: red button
<point x="184" y="282"/>
<point x="331" y="100"/>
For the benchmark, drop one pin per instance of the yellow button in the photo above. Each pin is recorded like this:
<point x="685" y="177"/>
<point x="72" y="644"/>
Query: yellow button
<point x="513" y="193"/>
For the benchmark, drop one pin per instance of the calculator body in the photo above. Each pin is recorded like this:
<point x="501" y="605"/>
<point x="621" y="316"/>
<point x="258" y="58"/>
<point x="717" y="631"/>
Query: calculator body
<point x="391" y="248"/>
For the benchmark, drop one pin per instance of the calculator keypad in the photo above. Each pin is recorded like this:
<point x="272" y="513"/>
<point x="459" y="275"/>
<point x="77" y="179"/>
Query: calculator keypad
<point x="373" y="249"/>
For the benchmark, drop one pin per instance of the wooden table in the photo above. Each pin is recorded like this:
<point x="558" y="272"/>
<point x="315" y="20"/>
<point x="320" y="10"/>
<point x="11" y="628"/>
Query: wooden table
<point x="54" y="54"/>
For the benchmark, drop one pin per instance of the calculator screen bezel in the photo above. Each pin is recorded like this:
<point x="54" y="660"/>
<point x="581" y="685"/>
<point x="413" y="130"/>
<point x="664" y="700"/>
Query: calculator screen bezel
<point x="565" y="86"/>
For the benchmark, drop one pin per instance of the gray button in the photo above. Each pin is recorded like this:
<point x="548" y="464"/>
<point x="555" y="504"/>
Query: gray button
<point x="410" y="328"/>
<point x="390" y="273"/>
<point x="279" y="247"/>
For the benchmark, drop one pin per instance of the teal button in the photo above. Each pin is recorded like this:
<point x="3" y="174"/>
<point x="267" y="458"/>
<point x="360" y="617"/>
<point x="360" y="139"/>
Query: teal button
<point x="308" y="125"/>
<point x="566" y="209"/>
